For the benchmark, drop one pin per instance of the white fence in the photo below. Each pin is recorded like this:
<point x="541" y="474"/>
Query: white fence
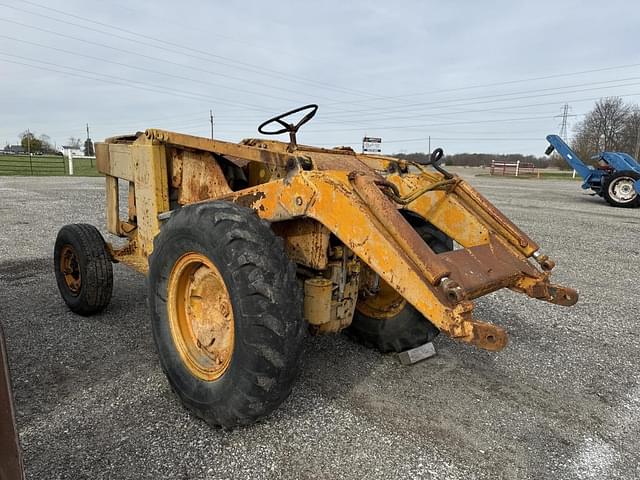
<point x="518" y="169"/>
<point x="71" y="157"/>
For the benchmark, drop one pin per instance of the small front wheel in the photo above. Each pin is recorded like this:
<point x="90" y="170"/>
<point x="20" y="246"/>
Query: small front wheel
<point x="386" y="321"/>
<point x="83" y="269"/>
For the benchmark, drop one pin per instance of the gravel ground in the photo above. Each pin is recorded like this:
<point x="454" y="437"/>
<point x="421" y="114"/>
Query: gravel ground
<point x="561" y="401"/>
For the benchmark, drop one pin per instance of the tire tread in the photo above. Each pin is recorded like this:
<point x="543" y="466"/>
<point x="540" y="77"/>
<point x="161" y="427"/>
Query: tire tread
<point x="95" y="265"/>
<point x="270" y="303"/>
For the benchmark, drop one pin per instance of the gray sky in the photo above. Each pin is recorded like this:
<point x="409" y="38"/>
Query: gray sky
<point x="466" y="73"/>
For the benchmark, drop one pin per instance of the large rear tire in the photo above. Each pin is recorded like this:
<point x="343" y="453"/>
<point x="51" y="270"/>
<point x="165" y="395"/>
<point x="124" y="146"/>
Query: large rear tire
<point x="386" y="321"/>
<point x="618" y="189"/>
<point x="226" y="313"/>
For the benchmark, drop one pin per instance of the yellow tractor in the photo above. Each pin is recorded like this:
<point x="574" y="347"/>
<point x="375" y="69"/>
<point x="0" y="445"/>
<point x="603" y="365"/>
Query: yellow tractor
<point x="247" y="246"/>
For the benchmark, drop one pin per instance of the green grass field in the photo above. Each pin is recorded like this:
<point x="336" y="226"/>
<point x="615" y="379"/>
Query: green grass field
<point x="45" y="165"/>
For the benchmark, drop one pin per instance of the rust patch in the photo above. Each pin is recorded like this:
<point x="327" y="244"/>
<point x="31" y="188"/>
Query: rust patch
<point x="306" y="241"/>
<point x="487" y="336"/>
<point x="485" y="268"/>
<point x="486" y="209"/>
<point x="562" y="295"/>
<point x="543" y="290"/>
<point x="201" y="177"/>
<point x="175" y="167"/>
<point x="398" y="228"/>
<point x="249" y="199"/>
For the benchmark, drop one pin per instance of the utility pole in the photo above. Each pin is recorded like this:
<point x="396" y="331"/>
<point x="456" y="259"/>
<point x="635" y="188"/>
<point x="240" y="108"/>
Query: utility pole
<point x="89" y="150"/>
<point x="429" y="151"/>
<point x="29" y="142"/>
<point x="211" y="121"/>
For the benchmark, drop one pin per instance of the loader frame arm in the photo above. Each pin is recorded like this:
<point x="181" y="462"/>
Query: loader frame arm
<point x="587" y="173"/>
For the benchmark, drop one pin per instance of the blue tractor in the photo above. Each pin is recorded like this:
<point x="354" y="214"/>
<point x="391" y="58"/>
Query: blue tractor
<point x="616" y="178"/>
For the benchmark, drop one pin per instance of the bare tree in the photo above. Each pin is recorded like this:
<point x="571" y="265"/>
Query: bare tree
<point x="46" y="144"/>
<point x="604" y="128"/>
<point x="74" y="142"/>
<point x="631" y="134"/>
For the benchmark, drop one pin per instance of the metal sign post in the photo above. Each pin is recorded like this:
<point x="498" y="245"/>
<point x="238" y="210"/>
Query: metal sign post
<point x="70" y="158"/>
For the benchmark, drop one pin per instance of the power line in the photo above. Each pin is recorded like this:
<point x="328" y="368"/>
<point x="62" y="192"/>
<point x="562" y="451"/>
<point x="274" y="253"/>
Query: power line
<point x="491" y="98"/>
<point x="142" y="69"/>
<point x="157" y="60"/>
<point x="496" y="110"/>
<point x="407" y="127"/>
<point x="349" y="112"/>
<point x="491" y="101"/>
<point x="261" y="70"/>
<point x="510" y="82"/>
<point x="432" y="114"/>
<point x="288" y="76"/>
<point x="465" y="139"/>
<point x="121" y="124"/>
<point x="185" y="117"/>
<point x="152" y="13"/>
<point x="122" y="81"/>
<point x="360" y="121"/>
<point x="316" y="131"/>
<point x="394" y="108"/>
<point x="227" y="61"/>
<point x="117" y="63"/>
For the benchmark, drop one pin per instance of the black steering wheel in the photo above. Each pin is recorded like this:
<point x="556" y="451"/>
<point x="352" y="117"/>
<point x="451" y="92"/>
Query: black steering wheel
<point x="292" y="128"/>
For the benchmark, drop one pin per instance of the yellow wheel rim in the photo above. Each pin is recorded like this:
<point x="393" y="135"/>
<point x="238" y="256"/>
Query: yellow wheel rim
<point x="200" y="316"/>
<point x="70" y="269"/>
<point x="386" y="303"/>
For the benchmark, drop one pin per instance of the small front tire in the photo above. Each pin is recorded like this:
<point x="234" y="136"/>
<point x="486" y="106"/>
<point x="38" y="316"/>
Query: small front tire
<point x="83" y="268"/>
<point x="386" y="321"/>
